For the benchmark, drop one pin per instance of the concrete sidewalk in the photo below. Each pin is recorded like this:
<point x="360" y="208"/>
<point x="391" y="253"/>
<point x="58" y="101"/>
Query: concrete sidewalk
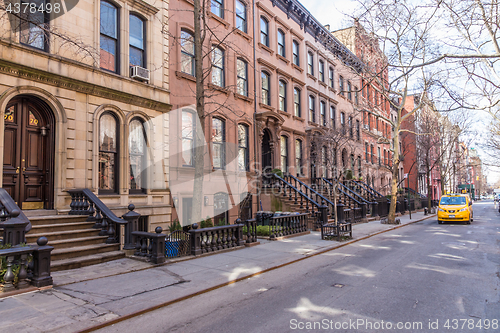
<point x="88" y="296"/>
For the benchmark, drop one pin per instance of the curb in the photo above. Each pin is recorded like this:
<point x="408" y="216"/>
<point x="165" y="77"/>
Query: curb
<point x="183" y="298"/>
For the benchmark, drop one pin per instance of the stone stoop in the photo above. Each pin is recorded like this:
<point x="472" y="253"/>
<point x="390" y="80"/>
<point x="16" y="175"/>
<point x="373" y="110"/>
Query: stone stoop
<point x="76" y="244"/>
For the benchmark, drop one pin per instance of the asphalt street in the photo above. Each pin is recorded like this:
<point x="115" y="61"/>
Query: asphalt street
<point x="424" y="277"/>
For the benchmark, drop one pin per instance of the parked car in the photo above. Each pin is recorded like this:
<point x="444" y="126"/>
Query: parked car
<point x="455" y="207"/>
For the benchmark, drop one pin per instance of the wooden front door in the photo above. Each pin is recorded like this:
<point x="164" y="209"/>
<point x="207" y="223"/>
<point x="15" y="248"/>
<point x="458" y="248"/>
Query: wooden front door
<point x="28" y="153"/>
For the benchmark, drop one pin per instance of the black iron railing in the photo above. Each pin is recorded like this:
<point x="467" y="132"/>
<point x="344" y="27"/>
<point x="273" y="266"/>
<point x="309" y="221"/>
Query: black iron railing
<point x="251" y="230"/>
<point x="355" y="206"/>
<point x="150" y="245"/>
<point x="85" y="202"/>
<point x="215" y="239"/>
<point x="36" y="272"/>
<point x="177" y="244"/>
<point x="298" y="197"/>
<point x="13" y="222"/>
<point x="287" y="225"/>
<point x="336" y="231"/>
<point x="310" y="192"/>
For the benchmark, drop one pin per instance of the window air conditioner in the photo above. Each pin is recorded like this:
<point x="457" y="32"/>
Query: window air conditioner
<point x="139" y="73"/>
<point x="366" y="127"/>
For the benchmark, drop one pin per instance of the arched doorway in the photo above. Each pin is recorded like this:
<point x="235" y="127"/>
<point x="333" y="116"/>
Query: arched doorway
<point x="28" y="160"/>
<point x="267" y="154"/>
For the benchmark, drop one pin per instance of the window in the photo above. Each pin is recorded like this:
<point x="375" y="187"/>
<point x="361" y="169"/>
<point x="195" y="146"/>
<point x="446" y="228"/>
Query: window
<point x="331" y="78"/>
<point x="368" y="93"/>
<point x="334" y="156"/>
<point x="356" y="97"/>
<point x="385" y="157"/>
<point x="187" y="53"/>
<point x="108" y="153"/>
<point x="359" y="166"/>
<point x="367" y="152"/>
<point x="34" y="25"/>
<point x="342" y="123"/>
<point x="349" y="90"/>
<point x="312" y="110"/>
<point x="187" y="132"/>
<point x="137" y="154"/>
<point x="341" y="85"/>
<point x="266" y="98"/>
<point x="136" y="41"/>
<point x="296" y="57"/>
<point x="284" y="154"/>
<point x="242" y="77"/>
<point x="218" y="140"/>
<point x="363" y="88"/>
<point x="296" y="102"/>
<point x="324" y="162"/>
<point x="264" y="31"/>
<point x="218" y="8"/>
<point x="358" y="134"/>
<point x="243" y="155"/>
<point x="322" y="110"/>
<point x="281" y="43"/>
<point x="352" y="163"/>
<point x="298" y="157"/>
<point x="310" y="63"/>
<point x="332" y="117"/>
<point x="282" y="95"/>
<point x="372" y="155"/>
<point x="351" y="130"/>
<point x="379" y="157"/>
<point x="241" y="16"/>
<point x="217" y="67"/>
<point x="109" y="37"/>
<point x="322" y="71"/>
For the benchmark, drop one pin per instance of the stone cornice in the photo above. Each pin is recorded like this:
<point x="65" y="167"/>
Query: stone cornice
<point x="297" y="12"/>
<point x="41" y="76"/>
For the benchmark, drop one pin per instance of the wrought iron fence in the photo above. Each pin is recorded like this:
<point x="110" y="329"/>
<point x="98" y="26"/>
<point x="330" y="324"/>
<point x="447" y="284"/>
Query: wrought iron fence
<point x="287" y="225"/>
<point x="336" y="231"/>
<point x="177" y="244"/>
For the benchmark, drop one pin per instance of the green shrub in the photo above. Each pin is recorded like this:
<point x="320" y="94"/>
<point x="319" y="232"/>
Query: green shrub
<point x="207" y="223"/>
<point x="262" y="230"/>
<point x="277" y="172"/>
<point x="176" y="225"/>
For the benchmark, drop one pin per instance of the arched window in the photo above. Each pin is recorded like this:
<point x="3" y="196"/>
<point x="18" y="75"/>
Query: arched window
<point x="296" y="54"/>
<point x="281" y="43"/>
<point x="282" y="95"/>
<point x="187" y="131"/>
<point x="217" y="67"/>
<point x="310" y="63"/>
<point x="218" y="143"/>
<point x="243" y="154"/>
<point x="266" y="96"/>
<point x="241" y="16"/>
<point x="137" y="41"/>
<point x="108" y="153"/>
<point x="109" y="42"/>
<point x="242" y="77"/>
<point x="137" y="154"/>
<point x="298" y="157"/>
<point x="284" y="153"/>
<point x="322" y="71"/>
<point x="322" y="111"/>
<point x="332" y="117"/>
<point x="312" y="109"/>
<point x="264" y="31"/>
<point x="296" y="102"/>
<point x="187" y="53"/>
<point x="324" y="162"/>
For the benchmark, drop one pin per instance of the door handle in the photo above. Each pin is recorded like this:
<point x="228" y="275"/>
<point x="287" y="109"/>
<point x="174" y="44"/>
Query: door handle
<point x="17" y="170"/>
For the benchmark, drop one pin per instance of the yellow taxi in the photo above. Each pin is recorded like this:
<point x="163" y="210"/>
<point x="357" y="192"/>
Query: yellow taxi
<point x="455" y="207"/>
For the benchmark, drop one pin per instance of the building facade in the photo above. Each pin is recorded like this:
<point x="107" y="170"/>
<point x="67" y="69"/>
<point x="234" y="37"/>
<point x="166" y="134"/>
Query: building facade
<point x="76" y="116"/>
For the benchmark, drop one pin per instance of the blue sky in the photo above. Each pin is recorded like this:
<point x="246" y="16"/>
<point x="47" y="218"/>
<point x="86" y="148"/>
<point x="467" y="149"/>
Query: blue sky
<point x="331" y="11"/>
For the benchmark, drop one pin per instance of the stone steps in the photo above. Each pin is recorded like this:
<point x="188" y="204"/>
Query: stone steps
<point x="76" y="243"/>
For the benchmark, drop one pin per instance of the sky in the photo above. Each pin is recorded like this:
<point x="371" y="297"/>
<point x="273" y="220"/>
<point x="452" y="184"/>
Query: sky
<point x="337" y="13"/>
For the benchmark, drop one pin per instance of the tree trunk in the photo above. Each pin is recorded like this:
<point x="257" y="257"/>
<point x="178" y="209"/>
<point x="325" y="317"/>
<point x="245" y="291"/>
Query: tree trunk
<point x="391" y="217"/>
<point x="429" y="189"/>
<point x="200" y="143"/>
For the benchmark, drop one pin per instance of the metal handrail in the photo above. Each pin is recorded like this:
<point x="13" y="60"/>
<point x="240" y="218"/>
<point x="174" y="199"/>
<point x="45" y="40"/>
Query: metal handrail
<point x="9" y="209"/>
<point x="343" y="192"/>
<point x="311" y="189"/>
<point x="297" y="191"/>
